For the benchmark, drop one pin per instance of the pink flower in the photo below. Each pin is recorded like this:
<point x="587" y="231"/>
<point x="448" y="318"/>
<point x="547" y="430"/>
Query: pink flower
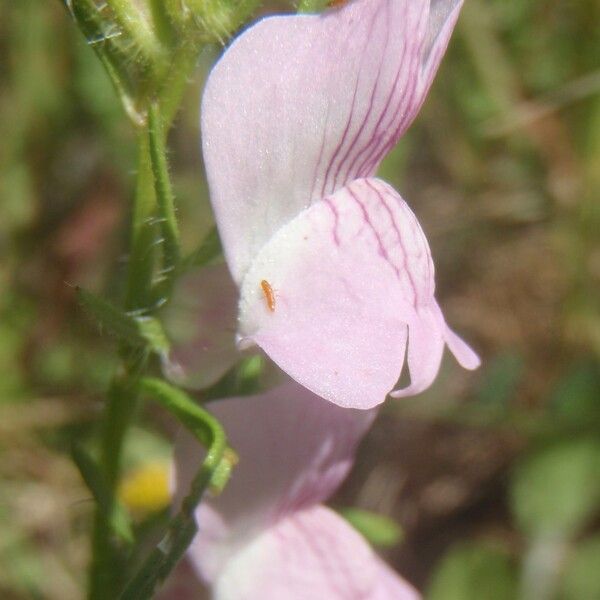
<point x="335" y="273"/>
<point x="268" y="536"/>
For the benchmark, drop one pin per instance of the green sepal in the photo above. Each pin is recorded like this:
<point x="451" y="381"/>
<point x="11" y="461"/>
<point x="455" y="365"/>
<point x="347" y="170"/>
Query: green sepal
<point x="110" y="50"/>
<point x="142" y="30"/>
<point x="211" y="20"/>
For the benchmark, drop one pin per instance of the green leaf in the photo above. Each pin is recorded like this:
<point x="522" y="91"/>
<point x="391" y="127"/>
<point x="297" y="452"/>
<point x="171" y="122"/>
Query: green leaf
<point x="582" y="575"/>
<point x="134" y="330"/>
<point x="474" y="572"/>
<point x="211" y="20"/>
<point x="557" y="489"/>
<point x="378" y="530"/>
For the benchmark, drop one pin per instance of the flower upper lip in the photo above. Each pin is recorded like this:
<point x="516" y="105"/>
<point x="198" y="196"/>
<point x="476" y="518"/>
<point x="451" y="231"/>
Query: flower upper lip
<point x="296" y="118"/>
<point x="299" y="106"/>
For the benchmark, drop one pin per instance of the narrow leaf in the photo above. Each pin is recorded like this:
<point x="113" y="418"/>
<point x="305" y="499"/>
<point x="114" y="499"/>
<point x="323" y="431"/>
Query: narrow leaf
<point x="135" y="331"/>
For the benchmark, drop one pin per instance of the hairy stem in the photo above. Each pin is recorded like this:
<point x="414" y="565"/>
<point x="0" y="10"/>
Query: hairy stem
<point x="122" y="398"/>
<point x="164" y="194"/>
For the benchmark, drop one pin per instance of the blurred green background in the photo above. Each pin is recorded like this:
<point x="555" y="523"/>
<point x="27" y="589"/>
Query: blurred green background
<point x="493" y="477"/>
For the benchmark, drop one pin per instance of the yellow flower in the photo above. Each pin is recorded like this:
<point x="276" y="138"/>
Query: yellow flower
<point x="145" y="489"/>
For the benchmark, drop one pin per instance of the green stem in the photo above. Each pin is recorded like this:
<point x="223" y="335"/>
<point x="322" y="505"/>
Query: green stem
<point x="120" y="411"/>
<point x="164" y="193"/>
<point x="104" y="564"/>
<point x="143" y="233"/>
<point x="122" y="406"/>
<point x="122" y="399"/>
<point x="182" y="527"/>
<point x="159" y="92"/>
<point x="94" y="479"/>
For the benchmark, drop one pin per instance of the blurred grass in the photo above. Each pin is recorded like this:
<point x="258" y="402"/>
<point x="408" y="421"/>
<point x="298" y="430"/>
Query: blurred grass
<point x="503" y="169"/>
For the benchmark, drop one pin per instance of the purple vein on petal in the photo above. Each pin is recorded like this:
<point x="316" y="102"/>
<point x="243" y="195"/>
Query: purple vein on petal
<point x="402" y="110"/>
<point x="415" y="90"/>
<point x="340" y="145"/>
<point x="405" y="257"/>
<point x="375" y="138"/>
<point x="336" y="218"/>
<point x="320" y="157"/>
<point x="366" y="218"/>
<point x="365" y="120"/>
<point x="377" y="135"/>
